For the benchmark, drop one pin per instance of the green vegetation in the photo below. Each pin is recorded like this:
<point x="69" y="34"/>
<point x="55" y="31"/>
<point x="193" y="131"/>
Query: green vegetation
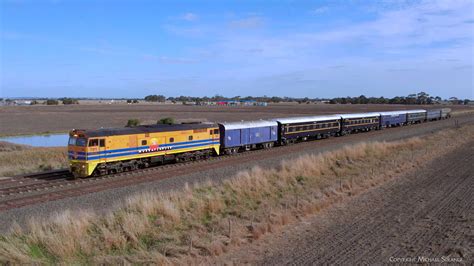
<point x="166" y="120"/>
<point x="132" y="123"/>
<point x="69" y="101"/>
<point x="132" y="101"/>
<point x="208" y="219"/>
<point x="51" y="102"/>
<point x="155" y="98"/>
<point x="418" y="98"/>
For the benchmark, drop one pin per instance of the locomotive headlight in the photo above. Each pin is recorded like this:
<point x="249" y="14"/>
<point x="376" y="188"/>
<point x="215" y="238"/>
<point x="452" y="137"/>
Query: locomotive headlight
<point x="83" y="166"/>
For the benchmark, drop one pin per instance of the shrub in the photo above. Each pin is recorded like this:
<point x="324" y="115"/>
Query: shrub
<point x="70" y="101"/>
<point x="166" y="120"/>
<point x="51" y="102"/>
<point x="133" y="123"/>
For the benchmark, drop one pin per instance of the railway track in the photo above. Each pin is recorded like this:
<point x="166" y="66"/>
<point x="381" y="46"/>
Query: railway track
<point x="35" y="188"/>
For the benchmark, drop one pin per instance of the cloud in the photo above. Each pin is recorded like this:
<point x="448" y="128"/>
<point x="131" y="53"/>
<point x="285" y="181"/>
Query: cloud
<point x="247" y="23"/>
<point x="319" y="10"/>
<point x="189" y="17"/>
<point x="186" y="31"/>
<point x="170" y="60"/>
<point x="462" y="67"/>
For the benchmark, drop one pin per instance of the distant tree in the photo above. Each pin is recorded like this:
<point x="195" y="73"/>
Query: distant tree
<point x="166" y="120"/>
<point x="135" y="101"/>
<point x="422" y="97"/>
<point x="129" y="101"/>
<point x="69" y="101"/>
<point x="34" y="102"/>
<point x="276" y="99"/>
<point x="466" y="101"/>
<point x="51" y="102"/>
<point x="132" y="123"/>
<point x="155" y="98"/>
<point x="454" y="100"/>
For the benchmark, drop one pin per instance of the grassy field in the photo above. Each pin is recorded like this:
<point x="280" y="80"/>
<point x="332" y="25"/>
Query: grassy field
<point x="209" y="219"/>
<point x="21" y="159"/>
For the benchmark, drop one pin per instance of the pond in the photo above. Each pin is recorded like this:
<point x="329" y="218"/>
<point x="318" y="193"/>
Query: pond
<point x="53" y="140"/>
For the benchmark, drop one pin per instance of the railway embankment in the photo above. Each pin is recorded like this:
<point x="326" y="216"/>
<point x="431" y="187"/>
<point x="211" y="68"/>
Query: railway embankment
<point x="209" y="219"/>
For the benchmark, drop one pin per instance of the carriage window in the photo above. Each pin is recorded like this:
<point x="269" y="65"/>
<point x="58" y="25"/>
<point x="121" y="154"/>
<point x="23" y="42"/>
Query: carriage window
<point x="144" y="142"/>
<point x="190" y="138"/>
<point x="93" y="142"/>
<point x="102" y="142"/>
<point x="216" y="131"/>
<point x="171" y="140"/>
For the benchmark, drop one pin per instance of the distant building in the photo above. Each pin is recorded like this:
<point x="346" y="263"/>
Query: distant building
<point x="22" y="102"/>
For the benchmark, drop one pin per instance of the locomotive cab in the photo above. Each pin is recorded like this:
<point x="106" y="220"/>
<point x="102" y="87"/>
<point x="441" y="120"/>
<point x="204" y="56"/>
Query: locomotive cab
<point x="79" y="148"/>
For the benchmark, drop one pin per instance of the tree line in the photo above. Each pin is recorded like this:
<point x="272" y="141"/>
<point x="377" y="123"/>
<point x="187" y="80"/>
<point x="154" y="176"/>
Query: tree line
<point x="417" y="98"/>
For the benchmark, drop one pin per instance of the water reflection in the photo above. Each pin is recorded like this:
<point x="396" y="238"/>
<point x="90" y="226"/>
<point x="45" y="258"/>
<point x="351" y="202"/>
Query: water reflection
<point x="53" y="140"/>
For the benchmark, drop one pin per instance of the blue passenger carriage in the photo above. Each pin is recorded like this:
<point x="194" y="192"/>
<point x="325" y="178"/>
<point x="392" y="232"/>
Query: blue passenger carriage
<point x="239" y="136"/>
<point x="393" y="118"/>
<point x="445" y="113"/>
<point x="434" y="114"/>
<point x="293" y="129"/>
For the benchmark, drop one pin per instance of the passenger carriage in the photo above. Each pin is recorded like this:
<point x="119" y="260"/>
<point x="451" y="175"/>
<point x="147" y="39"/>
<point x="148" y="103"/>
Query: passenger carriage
<point x="104" y="151"/>
<point x="416" y="116"/>
<point x="445" y="113"/>
<point x="293" y="129"/>
<point x="359" y="122"/>
<point x="244" y="136"/>
<point x="393" y="119"/>
<point x="434" y="114"/>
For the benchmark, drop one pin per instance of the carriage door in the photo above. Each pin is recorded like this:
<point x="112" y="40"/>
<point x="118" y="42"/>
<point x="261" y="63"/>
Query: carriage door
<point x="102" y="150"/>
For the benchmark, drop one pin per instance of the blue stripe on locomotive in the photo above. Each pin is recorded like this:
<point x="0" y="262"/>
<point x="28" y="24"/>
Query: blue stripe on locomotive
<point x="247" y="136"/>
<point x="386" y="120"/>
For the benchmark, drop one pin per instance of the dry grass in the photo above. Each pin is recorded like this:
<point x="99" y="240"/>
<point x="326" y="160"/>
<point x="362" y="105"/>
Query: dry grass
<point x="463" y="112"/>
<point x="207" y="220"/>
<point x="19" y="159"/>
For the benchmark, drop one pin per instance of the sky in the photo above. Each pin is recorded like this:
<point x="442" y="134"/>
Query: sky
<point x="94" y="48"/>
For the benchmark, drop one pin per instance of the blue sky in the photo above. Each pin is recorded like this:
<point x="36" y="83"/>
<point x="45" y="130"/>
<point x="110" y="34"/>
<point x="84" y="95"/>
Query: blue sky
<point x="277" y="48"/>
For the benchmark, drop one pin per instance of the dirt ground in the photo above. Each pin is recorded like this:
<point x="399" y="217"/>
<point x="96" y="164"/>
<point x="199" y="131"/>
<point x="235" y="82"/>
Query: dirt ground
<point x="427" y="216"/>
<point x="16" y="120"/>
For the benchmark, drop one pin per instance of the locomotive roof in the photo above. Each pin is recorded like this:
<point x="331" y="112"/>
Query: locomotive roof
<point x="357" y="115"/>
<point x="248" y="124"/>
<point x="144" y="129"/>
<point x="305" y="119"/>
